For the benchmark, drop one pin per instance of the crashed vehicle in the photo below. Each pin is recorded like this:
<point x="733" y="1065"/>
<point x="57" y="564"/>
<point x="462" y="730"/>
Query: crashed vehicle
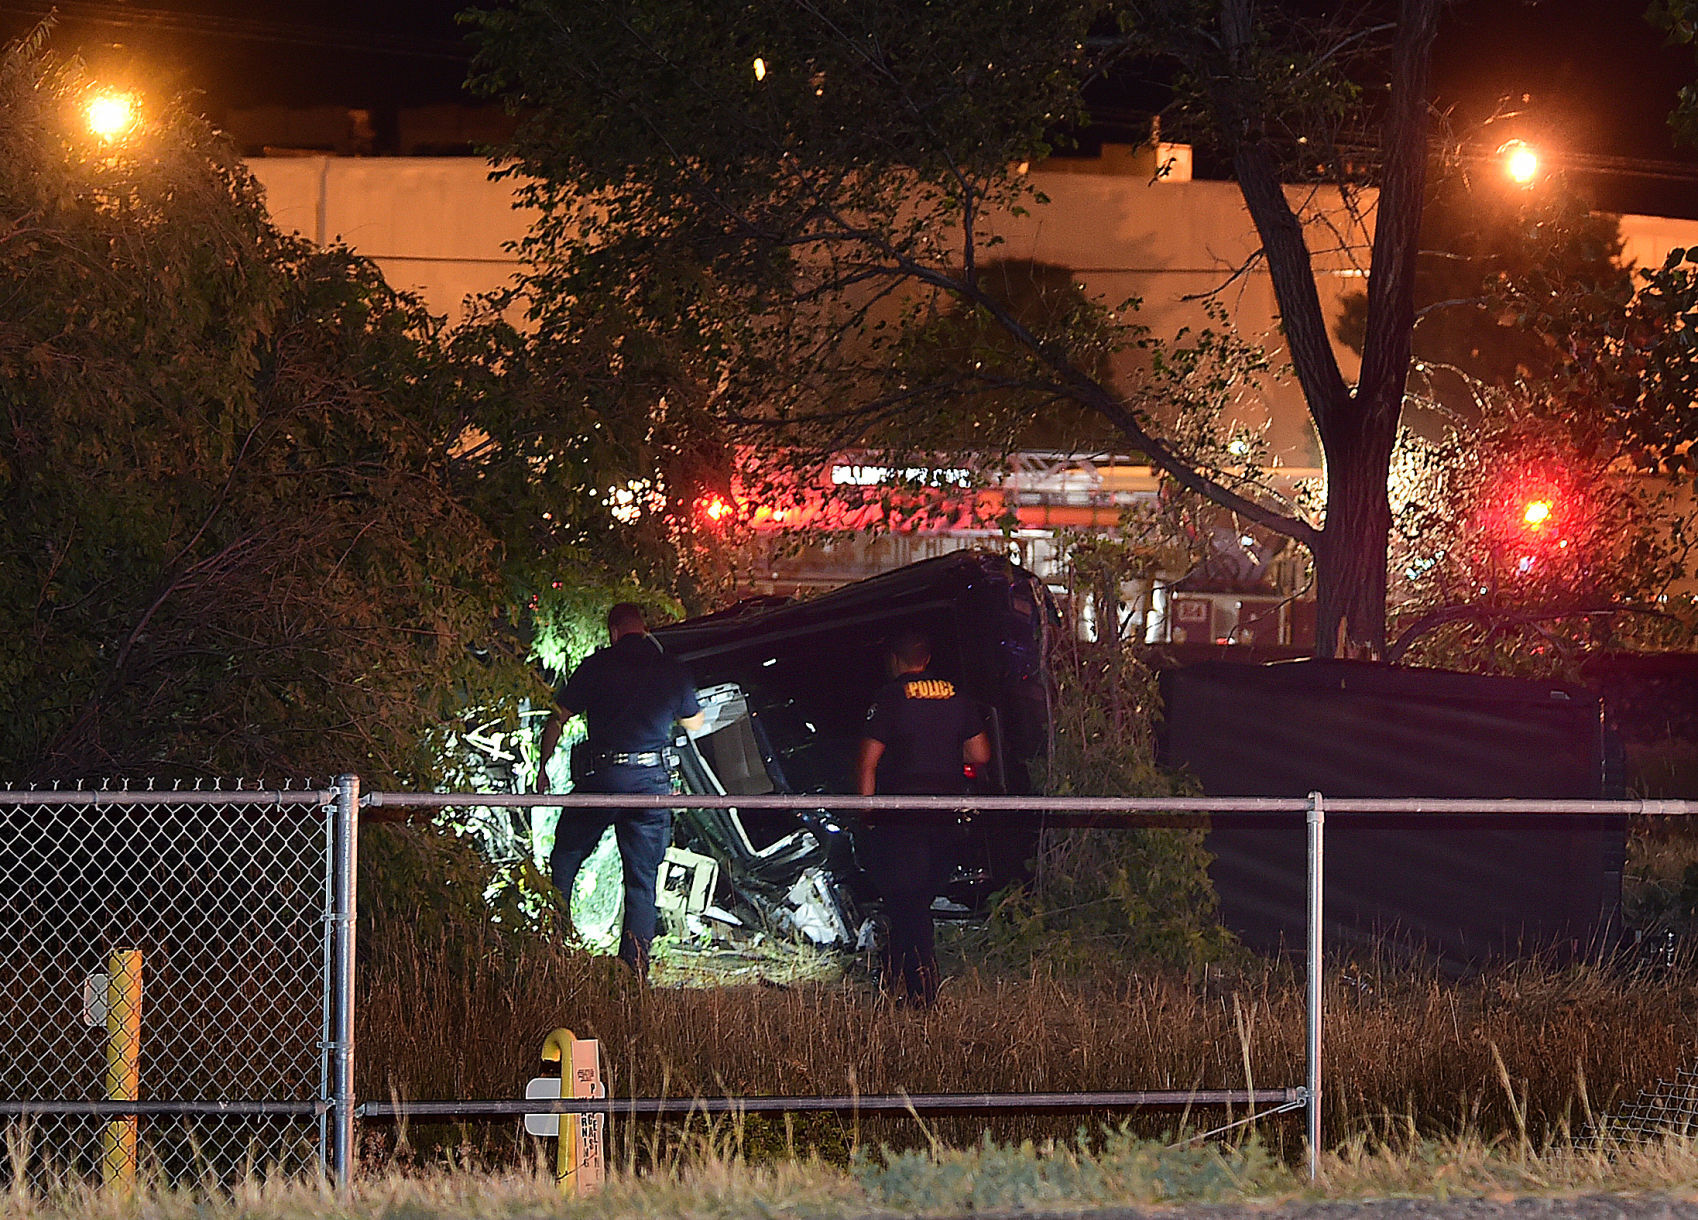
<point x="786" y="684"/>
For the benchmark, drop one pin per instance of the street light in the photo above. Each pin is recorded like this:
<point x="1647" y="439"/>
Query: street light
<point x="111" y="115"/>
<point x="1520" y="161"/>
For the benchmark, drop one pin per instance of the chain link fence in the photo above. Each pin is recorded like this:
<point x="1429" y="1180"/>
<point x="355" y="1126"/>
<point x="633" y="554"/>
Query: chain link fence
<point x="176" y="969"/>
<point x="166" y="983"/>
<point x="1668" y="1108"/>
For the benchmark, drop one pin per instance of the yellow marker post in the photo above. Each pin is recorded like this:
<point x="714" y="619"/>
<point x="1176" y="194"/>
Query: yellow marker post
<point x="581" y="1156"/>
<point x="123" y="1066"/>
<point x="558" y="1046"/>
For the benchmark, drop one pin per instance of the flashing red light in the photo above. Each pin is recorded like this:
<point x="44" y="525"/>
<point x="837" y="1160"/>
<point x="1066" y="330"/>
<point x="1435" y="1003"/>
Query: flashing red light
<point x="1536" y="525"/>
<point x="969" y="771"/>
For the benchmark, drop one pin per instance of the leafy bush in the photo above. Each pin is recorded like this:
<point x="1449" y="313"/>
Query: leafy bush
<point x="1133" y="895"/>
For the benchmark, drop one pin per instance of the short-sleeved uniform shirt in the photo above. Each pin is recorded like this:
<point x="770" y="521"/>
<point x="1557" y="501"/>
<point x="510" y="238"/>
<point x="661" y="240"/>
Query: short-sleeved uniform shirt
<point x="922" y="721"/>
<point x="630" y="693"/>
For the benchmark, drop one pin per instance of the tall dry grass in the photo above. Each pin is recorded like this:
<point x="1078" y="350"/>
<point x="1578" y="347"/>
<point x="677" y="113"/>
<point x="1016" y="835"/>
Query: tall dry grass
<point x="1525" y="1050"/>
<point x="451" y="1007"/>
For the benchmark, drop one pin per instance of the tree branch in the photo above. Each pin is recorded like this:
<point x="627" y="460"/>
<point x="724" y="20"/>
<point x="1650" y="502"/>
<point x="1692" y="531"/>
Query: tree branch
<point x="1387" y="340"/>
<point x="1498" y="615"/>
<point x="1087" y="392"/>
<point x="1290" y="266"/>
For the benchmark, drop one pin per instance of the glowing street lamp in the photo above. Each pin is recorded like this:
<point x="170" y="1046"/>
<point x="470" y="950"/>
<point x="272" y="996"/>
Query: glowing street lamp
<point x="112" y="115"/>
<point x="1520" y="162"/>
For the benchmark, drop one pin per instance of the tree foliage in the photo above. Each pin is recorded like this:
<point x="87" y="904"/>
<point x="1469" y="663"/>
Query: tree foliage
<point x="1679" y="19"/>
<point x="1635" y="371"/>
<point x="768" y="202"/>
<point x="261" y="511"/>
<point x="1001" y="406"/>
<point x="1523" y="542"/>
<point x="1527" y="294"/>
<point x="1549" y="374"/>
<point x="748" y="233"/>
<point x="1507" y="278"/>
<point x="1125" y="894"/>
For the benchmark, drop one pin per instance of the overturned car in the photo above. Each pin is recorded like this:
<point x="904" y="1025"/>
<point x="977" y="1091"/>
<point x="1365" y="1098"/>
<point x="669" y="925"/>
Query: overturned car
<point x="785" y="686"/>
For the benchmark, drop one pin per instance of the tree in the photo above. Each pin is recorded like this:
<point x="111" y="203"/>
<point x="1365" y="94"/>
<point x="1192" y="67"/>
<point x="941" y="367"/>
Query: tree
<point x="260" y="510"/>
<point x="770" y="197"/>
<point x="1506" y="278"/>
<point x="1534" y="519"/>
<point x="1523" y="542"/>
<point x="1679" y="19"/>
<point x="1634" y="368"/>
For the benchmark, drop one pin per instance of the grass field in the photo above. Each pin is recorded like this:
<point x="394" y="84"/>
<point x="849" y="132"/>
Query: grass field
<point x="708" y="1179"/>
<point x="1528" y="1051"/>
<point x="1523" y="1051"/>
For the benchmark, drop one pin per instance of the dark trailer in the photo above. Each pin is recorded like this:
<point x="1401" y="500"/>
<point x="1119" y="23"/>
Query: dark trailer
<point x="786" y="685"/>
<point x="1468" y="889"/>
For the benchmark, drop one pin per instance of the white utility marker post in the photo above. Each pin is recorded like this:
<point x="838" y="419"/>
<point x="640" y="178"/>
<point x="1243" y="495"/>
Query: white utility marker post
<point x="581" y="1160"/>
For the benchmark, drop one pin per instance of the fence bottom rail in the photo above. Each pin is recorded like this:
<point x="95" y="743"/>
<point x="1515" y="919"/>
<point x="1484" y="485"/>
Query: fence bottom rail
<point x="872" y="1103"/>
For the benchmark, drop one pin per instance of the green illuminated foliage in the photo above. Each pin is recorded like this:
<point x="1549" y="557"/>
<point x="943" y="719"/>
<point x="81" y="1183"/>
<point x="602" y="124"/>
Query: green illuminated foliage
<point x="260" y="511"/>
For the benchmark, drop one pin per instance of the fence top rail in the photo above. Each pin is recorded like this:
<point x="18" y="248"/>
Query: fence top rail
<point x="160" y="796"/>
<point x="1090" y="805"/>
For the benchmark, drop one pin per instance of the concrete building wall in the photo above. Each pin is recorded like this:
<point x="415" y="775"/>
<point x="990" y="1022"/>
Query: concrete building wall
<point x="437" y="226"/>
<point x="1647" y="240"/>
<point x="440" y="227"/>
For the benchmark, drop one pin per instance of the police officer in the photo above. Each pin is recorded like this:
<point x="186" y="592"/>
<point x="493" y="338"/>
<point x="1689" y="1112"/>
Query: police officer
<point x="919" y="733"/>
<point x="630" y="693"/>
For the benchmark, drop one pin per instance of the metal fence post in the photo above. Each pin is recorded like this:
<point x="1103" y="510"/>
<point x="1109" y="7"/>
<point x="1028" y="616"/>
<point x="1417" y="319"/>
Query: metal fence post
<point x="346" y="857"/>
<point x="1316" y="820"/>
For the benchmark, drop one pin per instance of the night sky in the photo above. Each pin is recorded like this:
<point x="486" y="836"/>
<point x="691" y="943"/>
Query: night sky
<point x="1598" y="81"/>
<point x="1600" y="84"/>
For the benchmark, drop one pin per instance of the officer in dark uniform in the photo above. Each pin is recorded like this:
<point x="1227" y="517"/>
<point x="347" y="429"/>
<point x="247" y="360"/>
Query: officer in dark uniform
<point x="630" y="693"/>
<point x="920" y="732"/>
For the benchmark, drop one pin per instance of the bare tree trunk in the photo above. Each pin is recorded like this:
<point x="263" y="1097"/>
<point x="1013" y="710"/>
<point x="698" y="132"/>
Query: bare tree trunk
<point x="1357" y="428"/>
<point x="1108" y="611"/>
<point x="1350" y="563"/>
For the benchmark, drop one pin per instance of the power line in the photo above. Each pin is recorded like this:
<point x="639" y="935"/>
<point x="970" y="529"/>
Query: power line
<point x="1625" y="167"/>
<point x="242" y="29"/>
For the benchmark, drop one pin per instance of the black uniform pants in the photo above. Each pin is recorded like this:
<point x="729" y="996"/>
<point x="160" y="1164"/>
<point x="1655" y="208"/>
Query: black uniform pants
<point x="643" y="834"/>
<point x="906" y="864"/>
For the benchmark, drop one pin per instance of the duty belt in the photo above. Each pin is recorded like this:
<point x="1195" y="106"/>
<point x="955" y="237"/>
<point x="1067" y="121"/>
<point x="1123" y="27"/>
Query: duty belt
<point x="646" y="758"/>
